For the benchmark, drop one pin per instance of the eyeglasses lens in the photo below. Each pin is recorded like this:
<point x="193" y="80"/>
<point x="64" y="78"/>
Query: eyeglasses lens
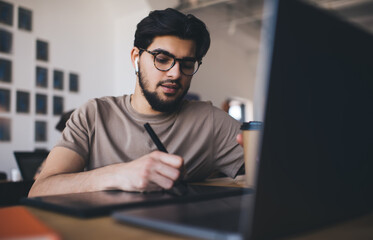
<point x="164" y="62"/>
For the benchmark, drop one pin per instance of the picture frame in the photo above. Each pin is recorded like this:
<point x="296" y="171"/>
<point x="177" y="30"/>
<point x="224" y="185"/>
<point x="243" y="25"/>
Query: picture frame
<point x="5" y="70"/>
<point x="58" y="79"/>
<point x="41" y="131"/>
<point x="42" y="50"/>
<point x="73" y="82"/>
<point x="41" y="104"/>
<point x="57" y="105"/>
<point x="6" y="39"/>
<point x="5" y="129"/>
<point x="6" y="13"/>
<point x="23" y="102"/>
<point x="41" y="77"/>
<point x="4" y="100"/>
<point x="24" y="19"/>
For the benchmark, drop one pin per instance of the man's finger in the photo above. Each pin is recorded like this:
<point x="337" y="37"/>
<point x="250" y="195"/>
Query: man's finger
<point x="169" y="159"/>
<point x="162" y="181"/>
<point x="167" y="171"/>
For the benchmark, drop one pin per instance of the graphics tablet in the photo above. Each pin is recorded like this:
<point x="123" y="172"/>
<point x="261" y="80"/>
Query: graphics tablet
<point x="100" y="203"/>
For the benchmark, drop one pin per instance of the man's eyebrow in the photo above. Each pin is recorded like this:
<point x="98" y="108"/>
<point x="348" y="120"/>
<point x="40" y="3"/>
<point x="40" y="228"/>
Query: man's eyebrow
<point x="160" y="50"/>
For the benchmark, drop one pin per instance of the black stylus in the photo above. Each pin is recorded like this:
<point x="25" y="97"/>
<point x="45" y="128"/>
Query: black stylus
<point x="155" y="138"/>
<point x="179" y="188"/>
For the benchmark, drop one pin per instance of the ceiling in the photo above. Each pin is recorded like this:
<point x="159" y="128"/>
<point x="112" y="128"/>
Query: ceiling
<point x="240" y="21"/>
<point x="246" y="14"/>
<point x="358" y="11"/>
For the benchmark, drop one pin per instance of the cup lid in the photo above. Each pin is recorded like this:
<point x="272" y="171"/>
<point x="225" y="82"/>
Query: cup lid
<point x="252" y="125"/>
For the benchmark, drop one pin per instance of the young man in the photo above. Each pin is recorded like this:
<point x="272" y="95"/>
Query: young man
<point x="106" y="136"/>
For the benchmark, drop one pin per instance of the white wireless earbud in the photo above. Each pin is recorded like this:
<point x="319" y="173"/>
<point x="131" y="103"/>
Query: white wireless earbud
<point x="137" y="65"/>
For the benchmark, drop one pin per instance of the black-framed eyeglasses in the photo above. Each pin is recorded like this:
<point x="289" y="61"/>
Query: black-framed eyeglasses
<point x="164" y="61"/>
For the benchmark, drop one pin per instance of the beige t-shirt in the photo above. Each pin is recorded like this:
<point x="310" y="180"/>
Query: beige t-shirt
<point x="108" y="130"/>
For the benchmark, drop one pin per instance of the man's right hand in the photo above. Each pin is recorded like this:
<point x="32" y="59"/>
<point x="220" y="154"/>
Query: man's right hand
<point x="63" y="173"/>
<point x="154" y="171"/>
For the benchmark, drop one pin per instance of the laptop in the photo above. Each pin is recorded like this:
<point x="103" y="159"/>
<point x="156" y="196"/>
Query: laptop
<point x="315" y="87"/>
<point x="29" y="162"/>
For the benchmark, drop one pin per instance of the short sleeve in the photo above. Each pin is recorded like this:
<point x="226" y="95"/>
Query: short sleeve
<point x="228" y="153"/>
<point x="79" y="130"/>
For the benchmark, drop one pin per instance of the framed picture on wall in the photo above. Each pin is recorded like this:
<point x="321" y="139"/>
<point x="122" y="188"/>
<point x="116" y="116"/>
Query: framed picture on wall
<point x="5" y="70"/>
<point x="58" y="79"/>
<point x="5" y="41"/>
<point x="4" y="100"/>
<point x="6" y="13"/>
<point x="24" y="19"/>
<point x="40" y="131"/>
<point x="57" y="105"/>
<point x="41" y="104"/>
<point x="23" y="102"/>
<point x="73" y="82"/>
<point x="42" y="50"/>
<point x="5" y="129"/>
<point x="41" y="77"/>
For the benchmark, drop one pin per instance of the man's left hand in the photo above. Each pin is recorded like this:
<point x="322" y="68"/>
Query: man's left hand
<point x="239" y="139"/>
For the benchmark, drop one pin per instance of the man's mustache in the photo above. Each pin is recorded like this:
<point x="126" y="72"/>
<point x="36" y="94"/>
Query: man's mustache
<point x="177" y="82"/>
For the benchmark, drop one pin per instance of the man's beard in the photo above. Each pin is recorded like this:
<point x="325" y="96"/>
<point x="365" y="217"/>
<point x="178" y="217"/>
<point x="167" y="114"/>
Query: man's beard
<point x="155" y="101"/>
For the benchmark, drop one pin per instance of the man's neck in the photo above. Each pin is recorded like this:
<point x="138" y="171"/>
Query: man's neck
<point x="139" y="103"/>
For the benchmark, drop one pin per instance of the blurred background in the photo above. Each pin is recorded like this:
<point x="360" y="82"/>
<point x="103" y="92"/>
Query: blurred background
<point x="55" y="55"/>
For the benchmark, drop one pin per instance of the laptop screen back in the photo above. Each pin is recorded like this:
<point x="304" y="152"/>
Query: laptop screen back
<point x="29" y="162"/>
<point x="317" y="149"/>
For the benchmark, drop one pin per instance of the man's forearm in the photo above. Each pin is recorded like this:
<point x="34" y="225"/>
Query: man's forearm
<point x="94" y="180"/>
<point x="152" y="172"/>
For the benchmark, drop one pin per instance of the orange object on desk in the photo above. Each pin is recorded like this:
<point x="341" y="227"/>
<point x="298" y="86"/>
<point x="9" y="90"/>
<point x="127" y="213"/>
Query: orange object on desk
<point x="18" y="223"/>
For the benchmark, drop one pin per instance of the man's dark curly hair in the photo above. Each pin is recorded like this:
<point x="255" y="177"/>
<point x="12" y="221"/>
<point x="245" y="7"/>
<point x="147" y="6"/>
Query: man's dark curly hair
<point x="172" y="22"/>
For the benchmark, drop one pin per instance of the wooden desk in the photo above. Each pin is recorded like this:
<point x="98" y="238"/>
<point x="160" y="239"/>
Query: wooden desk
<point x="107" y="228"/>
<point x="96" y="228"/>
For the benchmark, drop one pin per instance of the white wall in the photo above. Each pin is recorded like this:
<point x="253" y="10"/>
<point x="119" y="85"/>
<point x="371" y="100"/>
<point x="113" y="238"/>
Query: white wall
<point x="229" y="68"/>
<point x="227" y="71"/>
<point x="125" y="27"/>
<point x="88" y="37"/>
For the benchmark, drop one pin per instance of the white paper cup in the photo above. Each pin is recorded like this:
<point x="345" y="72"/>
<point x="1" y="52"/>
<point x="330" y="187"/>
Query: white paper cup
<point x="251" y="132"/>
<point x="15" y="175"/>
